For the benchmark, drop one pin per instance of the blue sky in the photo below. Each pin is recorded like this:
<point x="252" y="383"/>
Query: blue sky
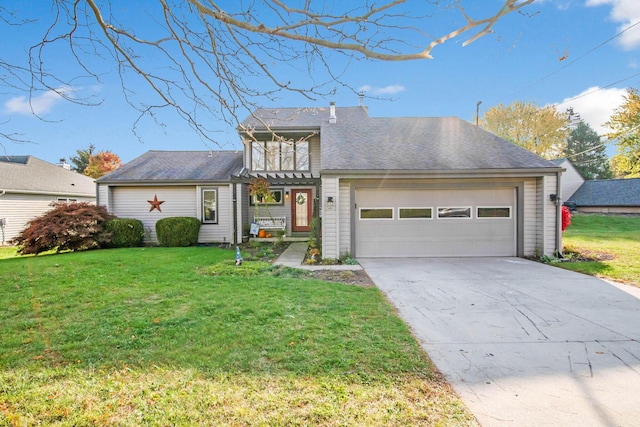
<point x="563" y="52"/>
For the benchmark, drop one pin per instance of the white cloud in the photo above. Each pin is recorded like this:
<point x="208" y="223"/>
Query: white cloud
<point x="39" y="105"/>
<point x="386" y="90"/>
<point x="626" y="12"/>
<point x="596" y="107"/>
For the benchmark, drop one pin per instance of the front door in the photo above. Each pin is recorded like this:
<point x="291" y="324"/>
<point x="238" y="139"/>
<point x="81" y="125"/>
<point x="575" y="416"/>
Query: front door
<point x="301" y="210"/>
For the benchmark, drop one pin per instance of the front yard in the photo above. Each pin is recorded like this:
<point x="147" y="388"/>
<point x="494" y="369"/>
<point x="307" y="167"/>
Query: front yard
<point x="146" y="337"/>
<point x="611" y="242"/>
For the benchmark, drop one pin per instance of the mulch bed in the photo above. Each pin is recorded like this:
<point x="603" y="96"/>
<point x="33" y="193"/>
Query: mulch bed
<point x="585" y="255"/>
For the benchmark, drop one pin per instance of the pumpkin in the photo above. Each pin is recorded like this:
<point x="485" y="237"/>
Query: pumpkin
<point x="262" y="234"/>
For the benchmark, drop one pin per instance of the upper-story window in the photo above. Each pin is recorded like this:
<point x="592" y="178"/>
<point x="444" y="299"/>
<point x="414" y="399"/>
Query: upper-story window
<point x="280" y="156"/>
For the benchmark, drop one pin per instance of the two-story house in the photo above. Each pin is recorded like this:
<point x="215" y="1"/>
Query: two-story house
<point x="383" y="186"/>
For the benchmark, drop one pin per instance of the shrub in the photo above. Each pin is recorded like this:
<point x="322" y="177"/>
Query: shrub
<point x="566" y="218"/>
<point x="125" y="232"/>
<point x="178" y="231"/>
<point x="315" y="238"/>
<point x="67" y="226"/>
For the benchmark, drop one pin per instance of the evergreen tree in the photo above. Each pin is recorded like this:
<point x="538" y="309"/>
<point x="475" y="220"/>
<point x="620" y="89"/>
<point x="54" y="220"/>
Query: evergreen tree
<point x="587" y="153"/>
<point x="81" y="161"/>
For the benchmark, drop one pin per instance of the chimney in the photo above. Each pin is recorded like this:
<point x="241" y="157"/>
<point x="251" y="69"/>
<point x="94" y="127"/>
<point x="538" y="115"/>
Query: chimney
<point x="361" y="98"/>
<point x="64" y="165"/>
<point x="332" y="112"/>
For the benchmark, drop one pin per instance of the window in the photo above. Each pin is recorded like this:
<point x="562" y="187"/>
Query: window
<point x="257" y="156"/>
<point x="273" y="156"/>
<point x="210" y="206"/>
<point x="286" y="156"/>
<point x="280" y="156"/>
<point x="414" y="213"/>
<point x="376" y="213"/>
<point x="454" y="212"/>
<point x="66" y="200"/>
<point x="302" y="156"/>
<point x="494" y="212"/>
<point x="276" y="198"/>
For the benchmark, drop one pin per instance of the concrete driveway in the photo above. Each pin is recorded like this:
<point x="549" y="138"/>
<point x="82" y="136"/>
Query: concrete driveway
<point x="522" y="343"/>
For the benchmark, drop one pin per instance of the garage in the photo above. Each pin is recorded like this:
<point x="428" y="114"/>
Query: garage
<point x="437" y="222"/>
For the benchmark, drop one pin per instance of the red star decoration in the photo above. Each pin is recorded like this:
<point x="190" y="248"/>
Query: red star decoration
<point x="155" y="203"/>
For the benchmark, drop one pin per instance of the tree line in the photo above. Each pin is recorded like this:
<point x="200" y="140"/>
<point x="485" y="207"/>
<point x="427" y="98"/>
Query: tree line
<point x="552" y="134"/>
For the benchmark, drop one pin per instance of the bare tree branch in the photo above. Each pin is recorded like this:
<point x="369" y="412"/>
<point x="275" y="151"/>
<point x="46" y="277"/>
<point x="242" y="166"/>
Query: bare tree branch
<point x="210" y="63"/>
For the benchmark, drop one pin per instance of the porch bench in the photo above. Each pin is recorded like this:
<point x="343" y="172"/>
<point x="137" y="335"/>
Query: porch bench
<point x="271" y="223"/>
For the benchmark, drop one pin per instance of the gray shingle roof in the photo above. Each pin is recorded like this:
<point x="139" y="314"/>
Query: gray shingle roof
<point x="178" y="166"/>
<point x="608" y="192"/>
<point x="359" y="142"/>
<point x="28" y="174"/>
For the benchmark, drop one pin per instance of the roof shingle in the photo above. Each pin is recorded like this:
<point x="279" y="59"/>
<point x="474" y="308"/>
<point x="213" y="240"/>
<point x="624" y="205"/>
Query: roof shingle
<point x="360" y="142"/>
<point x="178" y="166"/>
<point x="608" y="192"/>
<point x="28" y="174"/>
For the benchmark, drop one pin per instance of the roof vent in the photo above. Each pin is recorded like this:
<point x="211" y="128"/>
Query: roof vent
<point x="332" y="112"/>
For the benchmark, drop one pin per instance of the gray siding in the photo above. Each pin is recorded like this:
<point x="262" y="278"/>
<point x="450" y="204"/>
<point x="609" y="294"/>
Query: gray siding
<point x="18" y="209"/>
<point x="103" y="196"/>
<point x="531" y="214"/>
<point x="550" y="212"/>
<point x="131" y="202"/>
<point x="330" y="217"/>
<point x="314" y="155"/>
<point x="222" y="232"/>
<point x="344" y="219"/>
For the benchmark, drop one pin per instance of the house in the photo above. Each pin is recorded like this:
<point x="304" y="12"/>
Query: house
<point x="384" y="187"/>
<point x="29" y="185"/>
<point x="571" y="178"/>
<point x="609" y="196"/>
<point x="162" y="184"/>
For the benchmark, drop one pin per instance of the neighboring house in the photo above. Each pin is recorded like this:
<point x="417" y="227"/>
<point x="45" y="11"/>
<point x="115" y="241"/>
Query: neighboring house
<point x="384" y="187"/>
<point x="571" y="178"/>
<point x="29" y="185"/>
<point x="609" y="196"/>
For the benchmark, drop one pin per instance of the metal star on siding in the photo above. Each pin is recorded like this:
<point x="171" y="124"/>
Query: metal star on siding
<point x="155" y="203"/>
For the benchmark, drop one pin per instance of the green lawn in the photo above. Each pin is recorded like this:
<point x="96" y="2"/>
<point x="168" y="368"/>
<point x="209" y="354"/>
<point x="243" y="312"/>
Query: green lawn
<point x="146" y="337"/>
<point x="600" y="235"/>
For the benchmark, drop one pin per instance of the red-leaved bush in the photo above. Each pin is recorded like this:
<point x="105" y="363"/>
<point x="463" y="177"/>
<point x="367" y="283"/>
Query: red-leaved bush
<point x="67" y="226"/>
<point x="566" y="218"/>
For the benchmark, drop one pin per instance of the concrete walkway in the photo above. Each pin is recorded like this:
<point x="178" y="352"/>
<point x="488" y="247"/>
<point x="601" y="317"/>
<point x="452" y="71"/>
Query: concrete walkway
<point x="294" y="255"/>
<point x="523" y="343"/>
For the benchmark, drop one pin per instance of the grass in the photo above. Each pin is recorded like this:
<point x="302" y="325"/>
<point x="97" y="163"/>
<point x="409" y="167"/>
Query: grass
<point x="160" y="336"/>
<point x="605" y="236"/>
<point x="8" y="252"/>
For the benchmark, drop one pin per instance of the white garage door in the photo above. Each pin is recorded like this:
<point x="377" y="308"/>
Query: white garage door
<point x="435" y="223"/>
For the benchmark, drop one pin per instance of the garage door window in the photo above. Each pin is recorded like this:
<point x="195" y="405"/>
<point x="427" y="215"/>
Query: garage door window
<point x="415" y="213"/>
<point x="454" y="212"/>
<point x="376" y="213"/>
<point x="488" y="212"/>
